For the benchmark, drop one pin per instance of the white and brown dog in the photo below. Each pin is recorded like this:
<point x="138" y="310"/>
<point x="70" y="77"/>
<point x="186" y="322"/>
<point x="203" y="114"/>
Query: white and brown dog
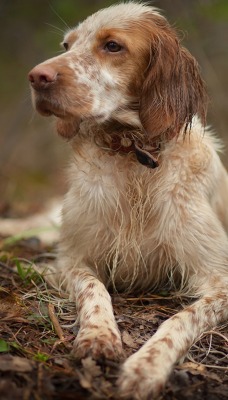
<point x="148" y="196"/>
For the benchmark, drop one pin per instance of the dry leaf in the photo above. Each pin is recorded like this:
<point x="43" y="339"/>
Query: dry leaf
<point x="194" y="368"/>
<point x="90" y="371"/>
<point x="127" y="339"/>
<point x="84" y="381"/>
<point x="90" y="367"/>
<point x="18" y="364"/>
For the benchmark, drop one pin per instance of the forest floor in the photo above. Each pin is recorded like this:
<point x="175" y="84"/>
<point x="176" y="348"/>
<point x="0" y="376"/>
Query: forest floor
<point x="37" y="331"/>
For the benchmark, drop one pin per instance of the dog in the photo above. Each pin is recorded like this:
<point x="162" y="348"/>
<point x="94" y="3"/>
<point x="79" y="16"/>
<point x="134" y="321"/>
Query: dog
<point x="147" y="200"/>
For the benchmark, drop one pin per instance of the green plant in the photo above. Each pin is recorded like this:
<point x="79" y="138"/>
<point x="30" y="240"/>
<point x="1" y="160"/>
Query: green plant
<point x="27" y="273"/>
<point x="4" y="346"/>
<point x="41" y="357"/>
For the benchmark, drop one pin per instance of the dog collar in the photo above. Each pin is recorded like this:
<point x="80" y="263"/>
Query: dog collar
<point x="145" y="155"/>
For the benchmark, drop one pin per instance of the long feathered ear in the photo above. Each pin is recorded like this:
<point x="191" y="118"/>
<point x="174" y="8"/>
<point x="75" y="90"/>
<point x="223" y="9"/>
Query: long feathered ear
<point x="173" y="91"/>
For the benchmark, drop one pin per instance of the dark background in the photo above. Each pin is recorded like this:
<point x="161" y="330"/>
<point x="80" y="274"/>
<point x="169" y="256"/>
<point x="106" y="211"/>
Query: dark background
<point x="32" y="156"/>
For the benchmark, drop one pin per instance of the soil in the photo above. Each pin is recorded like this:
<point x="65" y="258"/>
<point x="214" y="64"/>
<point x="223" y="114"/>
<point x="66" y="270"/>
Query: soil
<point x="35" y="343"/>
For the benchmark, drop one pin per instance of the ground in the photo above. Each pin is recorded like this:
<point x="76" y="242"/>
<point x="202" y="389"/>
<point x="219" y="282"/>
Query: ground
<point x="37" y="331"/>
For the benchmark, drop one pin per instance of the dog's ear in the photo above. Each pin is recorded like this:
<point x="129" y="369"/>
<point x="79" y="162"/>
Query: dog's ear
<point x="173" y="91"/>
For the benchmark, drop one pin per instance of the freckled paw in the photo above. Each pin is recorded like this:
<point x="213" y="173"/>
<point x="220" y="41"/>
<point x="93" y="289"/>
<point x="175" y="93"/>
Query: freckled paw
<point x="97" y="346"/>
<point x="138" y="383"/>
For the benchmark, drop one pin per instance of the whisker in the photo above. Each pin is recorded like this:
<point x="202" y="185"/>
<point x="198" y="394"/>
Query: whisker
<point x="61" y="19"/>
<point x="55" y="27"/>
<point x="56" y="33"/>
<point x="61" y="51"/>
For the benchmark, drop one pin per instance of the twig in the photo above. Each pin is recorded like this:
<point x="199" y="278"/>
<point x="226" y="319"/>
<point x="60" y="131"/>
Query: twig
<point x="54" y="320"/>
<point x="3" y="265"/>
<point x="50" y="256"/>
<point x="214" y="333"/>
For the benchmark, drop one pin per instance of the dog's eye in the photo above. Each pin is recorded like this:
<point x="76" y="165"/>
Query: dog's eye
<point x="113" y="47"/>
<point x="66" y="45"/>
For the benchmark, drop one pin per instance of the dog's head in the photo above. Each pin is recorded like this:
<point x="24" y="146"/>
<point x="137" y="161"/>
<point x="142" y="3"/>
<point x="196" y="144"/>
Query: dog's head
<point x="123" y="63"/>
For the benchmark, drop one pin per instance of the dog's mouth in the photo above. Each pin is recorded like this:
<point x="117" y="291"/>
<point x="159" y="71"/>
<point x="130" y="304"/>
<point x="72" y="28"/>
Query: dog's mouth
<point x="47" y="108"/>
<point x="67" y="124"/>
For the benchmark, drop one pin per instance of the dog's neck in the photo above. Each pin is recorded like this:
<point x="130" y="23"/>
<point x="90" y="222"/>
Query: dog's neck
<point x="146" y="155"/>
<point x="117" y="138"/>
<point x="125" y="138"/>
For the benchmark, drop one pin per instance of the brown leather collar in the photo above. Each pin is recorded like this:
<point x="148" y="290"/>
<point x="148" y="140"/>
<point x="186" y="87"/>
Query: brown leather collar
<point x="145" y="155"/>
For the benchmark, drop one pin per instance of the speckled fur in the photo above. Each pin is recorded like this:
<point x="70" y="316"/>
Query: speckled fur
<point x="128" y="227"/>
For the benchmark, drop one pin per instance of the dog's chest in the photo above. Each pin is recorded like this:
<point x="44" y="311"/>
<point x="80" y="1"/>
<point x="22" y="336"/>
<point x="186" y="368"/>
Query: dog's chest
<point x="113" y="201"/>
<point x="117" y="215"/>
<point x="115" y="186"/>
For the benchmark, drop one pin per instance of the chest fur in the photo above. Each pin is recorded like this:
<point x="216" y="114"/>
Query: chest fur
<point x="121" y="216"/>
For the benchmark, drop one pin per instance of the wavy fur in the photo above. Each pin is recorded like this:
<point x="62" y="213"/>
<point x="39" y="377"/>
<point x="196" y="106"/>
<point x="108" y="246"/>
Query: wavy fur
<point x="125" y="226"/>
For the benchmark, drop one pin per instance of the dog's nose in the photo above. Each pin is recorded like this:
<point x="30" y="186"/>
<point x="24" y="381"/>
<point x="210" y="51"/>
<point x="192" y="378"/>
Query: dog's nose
<point x="41" y="77"/>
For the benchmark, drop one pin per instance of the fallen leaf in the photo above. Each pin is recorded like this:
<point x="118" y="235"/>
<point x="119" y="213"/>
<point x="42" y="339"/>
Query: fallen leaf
<point x="197" y="368"/>
<point x="18" y="364"/>
<point x="90" y="371"/>
<point x="90" y="367"/>
<point x="127" y="339"/>
<point x="84" y="381"/>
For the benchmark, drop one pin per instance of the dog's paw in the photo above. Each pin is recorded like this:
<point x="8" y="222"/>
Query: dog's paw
<point x="140" y="380"/>
<point x="98" y="343"/>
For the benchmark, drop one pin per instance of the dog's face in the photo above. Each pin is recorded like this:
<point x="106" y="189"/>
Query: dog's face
<point x="123" y="63"/>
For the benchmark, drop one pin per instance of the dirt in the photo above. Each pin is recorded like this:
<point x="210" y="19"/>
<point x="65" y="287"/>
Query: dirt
<point x="35" y="360"/>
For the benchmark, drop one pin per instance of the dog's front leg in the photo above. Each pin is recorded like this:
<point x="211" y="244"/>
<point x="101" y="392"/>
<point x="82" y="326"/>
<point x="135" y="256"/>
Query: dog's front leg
<point x="145" y="373"/>
<point x="98" y="334"/>
<point x="200" y="246"/>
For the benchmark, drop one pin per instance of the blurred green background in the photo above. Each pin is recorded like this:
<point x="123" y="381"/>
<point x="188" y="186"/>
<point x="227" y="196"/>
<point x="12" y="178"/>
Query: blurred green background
<point x="32" y="156"/>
